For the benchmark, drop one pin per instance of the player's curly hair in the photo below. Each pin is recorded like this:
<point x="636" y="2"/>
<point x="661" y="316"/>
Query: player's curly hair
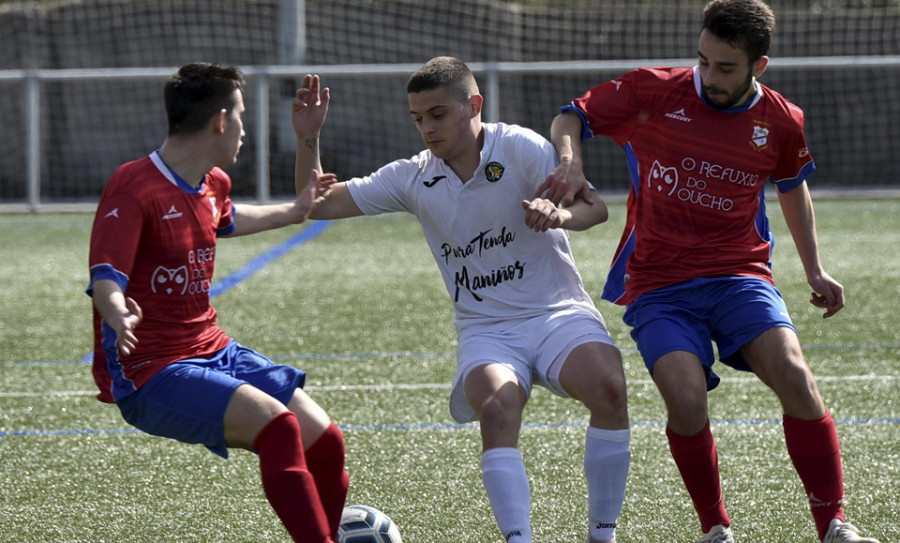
<point x="745" y="24"/>
<point x="197" y="92"/>
<point x="444" y="72"/>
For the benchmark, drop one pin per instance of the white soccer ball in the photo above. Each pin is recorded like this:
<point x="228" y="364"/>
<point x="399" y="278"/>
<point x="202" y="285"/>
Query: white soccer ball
<point x="364" y="524"/>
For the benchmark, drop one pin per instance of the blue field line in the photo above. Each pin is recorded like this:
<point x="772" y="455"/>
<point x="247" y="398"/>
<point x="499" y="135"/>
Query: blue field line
<point x="432" y="354"/>
<point x="467" y="426"/>
<point x="259" y="262"/>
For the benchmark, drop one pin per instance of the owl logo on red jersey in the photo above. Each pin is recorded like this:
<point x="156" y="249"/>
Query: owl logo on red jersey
<point x="662" y="178"/>
<point x="169" y="281"/>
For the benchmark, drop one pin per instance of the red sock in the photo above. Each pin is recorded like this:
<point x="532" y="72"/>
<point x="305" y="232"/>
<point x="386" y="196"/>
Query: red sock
<point x="814" y="449"/>
<point x="325" y="459"/>
<point x="698" y="462"/>
<point x="288" y="484"/>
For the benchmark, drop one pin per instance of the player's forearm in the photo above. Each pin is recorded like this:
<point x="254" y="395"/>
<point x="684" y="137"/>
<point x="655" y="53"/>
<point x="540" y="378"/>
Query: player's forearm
<point x="797" y="208"/>
<point x="109" y="300"/>
<point x="337" y="204"/>
<point x="307" y="159"/>
<point x="565" y="134"/>
<point x="250" y="219"/>
<point x="583" y="215"/>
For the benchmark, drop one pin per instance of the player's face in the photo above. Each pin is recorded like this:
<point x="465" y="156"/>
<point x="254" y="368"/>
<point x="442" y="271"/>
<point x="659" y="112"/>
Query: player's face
<point x="445" y="123"/>
<point x="726" y="73"/>
<point x="234" y="131"/>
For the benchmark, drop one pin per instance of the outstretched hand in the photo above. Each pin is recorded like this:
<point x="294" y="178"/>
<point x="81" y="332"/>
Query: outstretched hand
<point x="309" y="107"/>
<point x="563" y="184"/>
<point x="313" y="194"/>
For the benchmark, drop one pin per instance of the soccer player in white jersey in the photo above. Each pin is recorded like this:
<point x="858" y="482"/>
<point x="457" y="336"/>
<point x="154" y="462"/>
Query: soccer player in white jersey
<point x="693" y="262"/>
<point x="522" y="314"/>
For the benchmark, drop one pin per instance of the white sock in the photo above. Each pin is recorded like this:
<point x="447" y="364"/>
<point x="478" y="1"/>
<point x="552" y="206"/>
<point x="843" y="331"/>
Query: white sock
<point x="606" y="460"/>
<point x="503" y="474"/>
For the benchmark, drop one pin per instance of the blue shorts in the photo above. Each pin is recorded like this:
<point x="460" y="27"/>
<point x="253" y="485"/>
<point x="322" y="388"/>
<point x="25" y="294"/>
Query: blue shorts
<point x="689" y="316"/>
<point x="186" y="400"/>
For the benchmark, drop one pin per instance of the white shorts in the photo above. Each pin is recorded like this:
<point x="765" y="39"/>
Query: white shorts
<point x="534" y="349"/>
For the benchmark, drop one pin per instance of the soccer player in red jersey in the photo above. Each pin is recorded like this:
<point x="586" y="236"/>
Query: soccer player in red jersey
<point x="692" y="266"/>
<point x="159" y="354"/>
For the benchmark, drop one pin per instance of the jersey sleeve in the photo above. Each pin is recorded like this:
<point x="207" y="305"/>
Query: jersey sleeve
<point x="611" y="109"/>
<point x="384" y="191"/>
<point x="114" y="239"/>
<point x="795" y="163"/>
<point x="531" y="151"/>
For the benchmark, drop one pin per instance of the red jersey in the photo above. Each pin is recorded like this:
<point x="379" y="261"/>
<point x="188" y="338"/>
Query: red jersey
<point x="155" y="235"/>
<point x="696" y="206"/>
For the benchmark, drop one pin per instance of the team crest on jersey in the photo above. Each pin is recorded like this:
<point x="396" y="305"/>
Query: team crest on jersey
<point x="760" y="137"/>
<point x="494" y="171"/>
<point x="169" y="281"/>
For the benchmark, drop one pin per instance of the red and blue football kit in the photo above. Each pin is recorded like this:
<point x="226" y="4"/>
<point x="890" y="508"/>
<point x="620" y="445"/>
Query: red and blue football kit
<point x="155" y="236"/>
<point x="696" y="206"/>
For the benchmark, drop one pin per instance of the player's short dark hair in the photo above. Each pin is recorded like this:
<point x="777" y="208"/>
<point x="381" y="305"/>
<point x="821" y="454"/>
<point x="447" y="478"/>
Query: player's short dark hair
<point x="745" y="24"/>
<point x="444" y="72"/>
<point x="197" y="92"/>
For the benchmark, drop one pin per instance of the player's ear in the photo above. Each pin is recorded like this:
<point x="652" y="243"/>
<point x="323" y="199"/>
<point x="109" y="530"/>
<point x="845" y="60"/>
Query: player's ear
<point x="476" y="102"/>
<point x="760" y="66"/>
<point x="219" y="121"/>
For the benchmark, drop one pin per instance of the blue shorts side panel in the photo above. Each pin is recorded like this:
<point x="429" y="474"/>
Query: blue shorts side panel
<point x="690" y="316"/>
<point x="186" y="400"/>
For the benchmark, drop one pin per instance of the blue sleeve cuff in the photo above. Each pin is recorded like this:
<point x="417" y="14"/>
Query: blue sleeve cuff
<point x="586" y="133"/>
<point x="787" y="185"/>
<point x="106" y="271"/>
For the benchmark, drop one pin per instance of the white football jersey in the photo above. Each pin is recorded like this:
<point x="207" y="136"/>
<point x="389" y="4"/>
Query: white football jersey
<point x="496" y="269"/>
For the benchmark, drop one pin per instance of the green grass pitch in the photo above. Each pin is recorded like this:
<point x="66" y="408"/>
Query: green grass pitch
<point x="363" y="310"/>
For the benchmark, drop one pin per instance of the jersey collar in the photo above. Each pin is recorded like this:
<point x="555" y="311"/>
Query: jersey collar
<point x="173" y="177"/>
<point x="698" y="86"/>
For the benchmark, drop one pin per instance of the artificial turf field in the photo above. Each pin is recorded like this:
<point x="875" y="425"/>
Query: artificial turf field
<point x="359" y="305"/>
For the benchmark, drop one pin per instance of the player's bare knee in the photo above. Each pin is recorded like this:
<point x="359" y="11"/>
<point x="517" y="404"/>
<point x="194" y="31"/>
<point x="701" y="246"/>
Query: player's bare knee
<point x="498" y="416"/>
<point x="604" y="397"/>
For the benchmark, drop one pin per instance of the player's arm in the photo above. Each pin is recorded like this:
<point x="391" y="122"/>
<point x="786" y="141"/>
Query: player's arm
<point x="308" y="111"/>
<point x="121" y="313"/>
<point x="309" y="108"/>
<point x="567" y="180"/>
<point x="250" y="219"/>
<point x="542" y="214"/>
<point x="336" y="203"/>
<point x="797" y="207"/>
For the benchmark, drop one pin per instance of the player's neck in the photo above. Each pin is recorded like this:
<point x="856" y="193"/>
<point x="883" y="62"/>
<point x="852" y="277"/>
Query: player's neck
<point x="186" y="160"/>
<point x="466" y="162"/>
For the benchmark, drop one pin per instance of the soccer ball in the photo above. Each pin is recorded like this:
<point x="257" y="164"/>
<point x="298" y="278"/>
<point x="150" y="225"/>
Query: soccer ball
<point x="363" y="524"/>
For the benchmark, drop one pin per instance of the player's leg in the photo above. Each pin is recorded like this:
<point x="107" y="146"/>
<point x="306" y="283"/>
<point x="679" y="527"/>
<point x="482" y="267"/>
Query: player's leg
<point x="494" y="392"/>
<point x="810" y="433"/>
<point x="757" y="334"/>
<point x="258" y="417"/>
<point x="498" y="399"/>
<point x="671" y="333"/>
<point x="682" y="383"/>
<point x="592" y="374"/>
<point x="325" y="455"/>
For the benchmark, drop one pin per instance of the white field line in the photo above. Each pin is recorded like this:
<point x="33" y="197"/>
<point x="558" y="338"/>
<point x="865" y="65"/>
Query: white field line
<point x="433" y="386"/>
